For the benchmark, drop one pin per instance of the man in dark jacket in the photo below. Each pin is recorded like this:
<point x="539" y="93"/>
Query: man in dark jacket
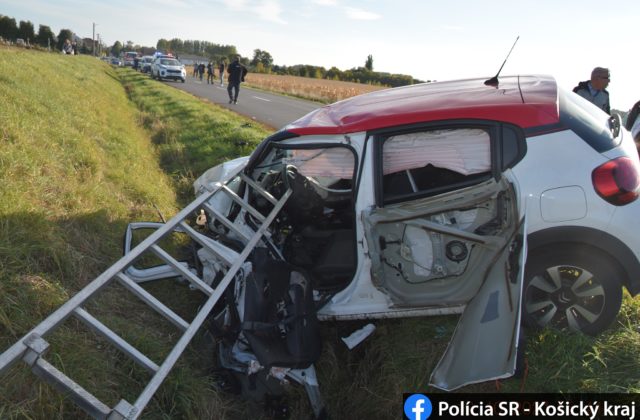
<point x="594" y="90"/>
<point x="236" y="72"/>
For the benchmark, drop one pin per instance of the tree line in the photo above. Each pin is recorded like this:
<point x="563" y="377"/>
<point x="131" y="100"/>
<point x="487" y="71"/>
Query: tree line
<point x="10" y="30"/>
<point x="356" y="74"/>
<point x="261" y="62"/>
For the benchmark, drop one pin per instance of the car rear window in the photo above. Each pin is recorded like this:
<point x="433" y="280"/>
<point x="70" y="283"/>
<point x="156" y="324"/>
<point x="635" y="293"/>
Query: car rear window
<point x="426" y="163"/>
<point x="587" y="121"/>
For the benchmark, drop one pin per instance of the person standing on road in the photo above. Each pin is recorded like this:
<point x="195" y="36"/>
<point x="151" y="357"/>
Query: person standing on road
<point x="210" y="73"/>
<point x="221" y="70"/>
<point x="200" y="71"/>
<point x="236" y="72"/>
<point x="594" y="90"/>
<point x="195" y="69"/>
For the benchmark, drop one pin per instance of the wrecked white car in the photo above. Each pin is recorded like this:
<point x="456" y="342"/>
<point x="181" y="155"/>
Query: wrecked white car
<point x="409" y="221"/>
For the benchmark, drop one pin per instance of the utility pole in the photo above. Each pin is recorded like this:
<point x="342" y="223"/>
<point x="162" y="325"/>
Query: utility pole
<point x="93" y="39"/>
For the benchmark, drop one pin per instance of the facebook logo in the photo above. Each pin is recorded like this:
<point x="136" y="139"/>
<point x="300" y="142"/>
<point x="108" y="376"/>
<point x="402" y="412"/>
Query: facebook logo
<point x="417" y="407"/>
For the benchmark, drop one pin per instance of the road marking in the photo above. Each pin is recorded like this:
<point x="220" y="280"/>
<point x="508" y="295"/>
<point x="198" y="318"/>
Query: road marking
<point x="262" y="99"/>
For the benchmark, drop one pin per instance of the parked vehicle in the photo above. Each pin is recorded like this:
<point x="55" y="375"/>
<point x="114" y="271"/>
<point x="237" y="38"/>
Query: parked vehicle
<point x="164" y="67"/>
<point x="129" y="57"/>
<point x="145" y="63"/>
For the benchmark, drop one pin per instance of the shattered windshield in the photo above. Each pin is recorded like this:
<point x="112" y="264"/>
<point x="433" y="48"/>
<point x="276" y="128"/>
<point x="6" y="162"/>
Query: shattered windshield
<point x="330" y="168"/>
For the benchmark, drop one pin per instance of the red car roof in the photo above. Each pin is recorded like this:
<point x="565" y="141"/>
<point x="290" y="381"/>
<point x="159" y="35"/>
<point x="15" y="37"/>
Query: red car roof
<point x="526" y="101"/>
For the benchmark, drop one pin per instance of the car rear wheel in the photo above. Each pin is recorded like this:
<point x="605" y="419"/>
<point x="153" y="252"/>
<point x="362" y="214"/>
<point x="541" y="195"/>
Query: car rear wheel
<point x="571" y="288"/>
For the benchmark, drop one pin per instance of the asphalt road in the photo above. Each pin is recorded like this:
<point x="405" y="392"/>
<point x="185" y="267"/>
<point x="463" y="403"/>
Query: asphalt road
<point x="270" y="109"/>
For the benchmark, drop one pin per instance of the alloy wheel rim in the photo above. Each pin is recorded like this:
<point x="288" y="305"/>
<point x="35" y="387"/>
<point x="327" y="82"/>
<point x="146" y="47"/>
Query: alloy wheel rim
<point x="565" y="296"/>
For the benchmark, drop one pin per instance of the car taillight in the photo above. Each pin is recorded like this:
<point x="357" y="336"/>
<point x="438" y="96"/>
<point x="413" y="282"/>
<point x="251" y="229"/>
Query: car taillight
<point x="617" y="181"/>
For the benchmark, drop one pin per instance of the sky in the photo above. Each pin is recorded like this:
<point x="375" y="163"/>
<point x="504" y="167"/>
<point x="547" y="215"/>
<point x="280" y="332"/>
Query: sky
<point x="429" y="40"/>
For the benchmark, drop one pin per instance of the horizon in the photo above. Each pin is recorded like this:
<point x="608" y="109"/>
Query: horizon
<point x="456" y="40"/>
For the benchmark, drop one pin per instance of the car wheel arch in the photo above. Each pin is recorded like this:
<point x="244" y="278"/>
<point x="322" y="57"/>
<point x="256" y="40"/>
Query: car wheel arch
<point x="590" y="241"/>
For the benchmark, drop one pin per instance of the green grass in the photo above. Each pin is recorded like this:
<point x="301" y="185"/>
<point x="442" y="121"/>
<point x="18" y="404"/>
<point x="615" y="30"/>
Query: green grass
<point x="86" y="149"/>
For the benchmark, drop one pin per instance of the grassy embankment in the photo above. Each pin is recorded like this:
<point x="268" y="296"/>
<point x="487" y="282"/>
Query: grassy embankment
<point x="87" y="149"/>
<point x="79" y="160"/>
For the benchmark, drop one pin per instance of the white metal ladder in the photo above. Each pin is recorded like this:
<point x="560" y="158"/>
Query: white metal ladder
<point x="32" y="347"/>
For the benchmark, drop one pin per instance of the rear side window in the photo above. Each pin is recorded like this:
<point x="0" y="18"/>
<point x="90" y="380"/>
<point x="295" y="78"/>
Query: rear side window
<point x="427" y="163"/>
<point x="587" y="121"/>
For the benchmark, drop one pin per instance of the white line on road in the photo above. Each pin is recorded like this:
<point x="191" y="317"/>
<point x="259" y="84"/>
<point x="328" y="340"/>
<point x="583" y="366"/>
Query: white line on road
<point x="262" y="99"/>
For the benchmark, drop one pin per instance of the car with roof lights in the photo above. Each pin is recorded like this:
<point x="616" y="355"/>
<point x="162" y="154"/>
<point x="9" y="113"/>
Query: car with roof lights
<point x="168" y="67"/>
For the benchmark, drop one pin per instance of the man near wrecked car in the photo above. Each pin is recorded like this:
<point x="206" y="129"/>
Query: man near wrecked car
<point x="210" y="73"/>
<point x="595" y="90"/>
<point x="236" y="73"/>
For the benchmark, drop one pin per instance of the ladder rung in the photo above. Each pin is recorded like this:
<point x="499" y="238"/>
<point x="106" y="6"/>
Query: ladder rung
<point x="195" y="280"/>
<point x="206" y="309"/>
<point x="258" y="188"/>
<point x="255" y="213"/>
<point x="197" y="237"/>
<point x="78" y="394"/>
<point x="154" y="303"/>
<point x="116" y="340"/>
<point x="16" y="351"/>
<point x="225" y="221"/>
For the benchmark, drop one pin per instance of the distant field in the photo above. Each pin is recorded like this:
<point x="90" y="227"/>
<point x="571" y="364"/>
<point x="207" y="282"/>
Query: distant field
<point x="322" y="90"/>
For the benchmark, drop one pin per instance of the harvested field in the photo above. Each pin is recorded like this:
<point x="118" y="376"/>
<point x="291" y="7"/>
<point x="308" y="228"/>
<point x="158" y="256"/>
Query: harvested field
<point x="322" y="90"/>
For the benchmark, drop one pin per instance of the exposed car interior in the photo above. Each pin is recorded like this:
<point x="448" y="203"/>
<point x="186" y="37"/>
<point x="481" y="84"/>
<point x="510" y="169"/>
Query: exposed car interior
<point x="315" y="230"/>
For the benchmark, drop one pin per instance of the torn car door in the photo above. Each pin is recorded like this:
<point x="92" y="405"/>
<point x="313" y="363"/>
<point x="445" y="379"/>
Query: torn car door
<point x="464" y="248"/>
<point x="448" y="232"/>
<point x="485" y="343"/>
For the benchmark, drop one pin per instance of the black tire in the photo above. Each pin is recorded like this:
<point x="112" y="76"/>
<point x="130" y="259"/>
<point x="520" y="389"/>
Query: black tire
<point x="571" y="287"/>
